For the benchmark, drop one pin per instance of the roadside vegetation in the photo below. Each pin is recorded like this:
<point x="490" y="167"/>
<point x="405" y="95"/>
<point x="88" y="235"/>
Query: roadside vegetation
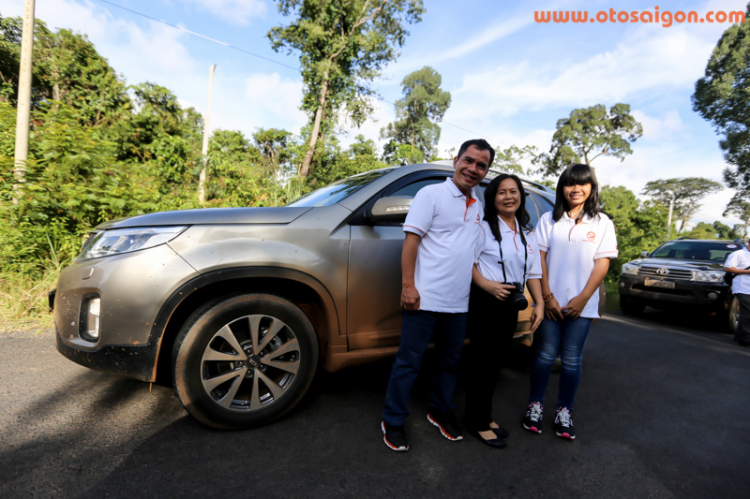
<point x="101" y="148"/>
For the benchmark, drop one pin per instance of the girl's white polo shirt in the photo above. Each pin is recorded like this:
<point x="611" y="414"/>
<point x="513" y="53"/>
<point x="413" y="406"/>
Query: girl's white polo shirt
<point x="445" y="257"/>
<point x="488" y="254"/>
<point x="571" y="250"/>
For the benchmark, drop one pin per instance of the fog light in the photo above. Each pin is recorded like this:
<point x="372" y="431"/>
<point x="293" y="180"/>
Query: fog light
<point x="712" y="296"/>
<point x="92" y="318"/>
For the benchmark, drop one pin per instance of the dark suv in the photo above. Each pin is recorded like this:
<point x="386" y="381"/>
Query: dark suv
<point x="679" y="273"/>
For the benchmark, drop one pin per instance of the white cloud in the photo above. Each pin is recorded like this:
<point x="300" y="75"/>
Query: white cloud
<point x="273" y="99"/>
<point x="660" y="129"/>
<point x="647" y="61"/>
<point x="234" y="11"/>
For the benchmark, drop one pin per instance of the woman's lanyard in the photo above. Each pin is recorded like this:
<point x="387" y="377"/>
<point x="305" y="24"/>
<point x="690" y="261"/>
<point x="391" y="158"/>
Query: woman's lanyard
<point x="525" y="254"/>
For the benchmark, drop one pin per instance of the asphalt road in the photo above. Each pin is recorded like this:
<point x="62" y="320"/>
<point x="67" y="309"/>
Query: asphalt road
<point x="662" y="412"/>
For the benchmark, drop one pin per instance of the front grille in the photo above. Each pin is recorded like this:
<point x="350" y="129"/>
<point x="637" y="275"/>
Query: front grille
<point x="674" y="273"/>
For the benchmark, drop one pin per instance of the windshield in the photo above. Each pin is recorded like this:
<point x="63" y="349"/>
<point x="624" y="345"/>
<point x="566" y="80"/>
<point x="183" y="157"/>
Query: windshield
<point x="695" y="250"/>
<point x="335" y="192"/>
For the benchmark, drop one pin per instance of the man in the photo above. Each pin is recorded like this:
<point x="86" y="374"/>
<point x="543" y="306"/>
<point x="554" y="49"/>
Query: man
<point x="436" y="260"/>
<point x="739" y="263"/>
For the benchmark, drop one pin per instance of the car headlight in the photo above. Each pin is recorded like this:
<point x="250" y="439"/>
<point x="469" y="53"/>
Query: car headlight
<point x="708" y="276"/>
<point x="629" y="268"/>
<point x="115" y="242"/>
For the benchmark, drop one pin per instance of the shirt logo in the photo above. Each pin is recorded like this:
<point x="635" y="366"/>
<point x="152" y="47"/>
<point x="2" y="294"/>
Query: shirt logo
<point x="478" y="221"/>
<point x="531" y="250"/>
<point x="590" y="237"/>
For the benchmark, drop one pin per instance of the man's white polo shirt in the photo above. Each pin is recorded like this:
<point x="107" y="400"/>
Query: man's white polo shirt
<point x="445" y="257"/>
<point x="571" y="250"/>
<point x="740" y="260"/>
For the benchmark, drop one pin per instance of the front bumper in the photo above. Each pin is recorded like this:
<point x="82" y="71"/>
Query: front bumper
<point x="696" y="294"/>
<point x="132" y="288"/>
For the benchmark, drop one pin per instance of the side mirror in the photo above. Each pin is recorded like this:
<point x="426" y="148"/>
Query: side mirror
<point x="390" y="209"/>
<point x="644" y="254"/>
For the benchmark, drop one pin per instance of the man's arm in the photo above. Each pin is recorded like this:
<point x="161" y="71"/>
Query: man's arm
<point x="735" y="270"/>
<point x="409" y="293"/>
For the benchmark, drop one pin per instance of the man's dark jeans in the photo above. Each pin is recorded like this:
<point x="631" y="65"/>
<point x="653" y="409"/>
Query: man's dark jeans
<point x="420" y="327"/>
<point x="742" y="335"/>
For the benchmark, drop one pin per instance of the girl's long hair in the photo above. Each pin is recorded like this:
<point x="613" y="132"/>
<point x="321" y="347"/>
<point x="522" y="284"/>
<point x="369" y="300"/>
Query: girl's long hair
<point x="490" y="211"/>
<point x="578" y="174"/>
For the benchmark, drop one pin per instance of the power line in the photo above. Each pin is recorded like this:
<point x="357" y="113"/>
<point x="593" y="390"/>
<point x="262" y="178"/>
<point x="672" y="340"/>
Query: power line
<point x="224" y="44"/>
<point x="238" y="49"/>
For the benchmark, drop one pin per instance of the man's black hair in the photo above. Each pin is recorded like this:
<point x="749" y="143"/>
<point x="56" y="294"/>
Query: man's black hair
<point x="480" y="144"/>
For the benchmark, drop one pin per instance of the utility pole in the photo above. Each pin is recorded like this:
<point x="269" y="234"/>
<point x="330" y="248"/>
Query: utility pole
<point x="669" y="219"/>
<point x="202" y="178"/>
<point x="23" y="110"/>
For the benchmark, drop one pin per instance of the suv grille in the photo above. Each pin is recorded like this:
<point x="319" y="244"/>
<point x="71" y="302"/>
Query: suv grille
<point x="674" y="273"/>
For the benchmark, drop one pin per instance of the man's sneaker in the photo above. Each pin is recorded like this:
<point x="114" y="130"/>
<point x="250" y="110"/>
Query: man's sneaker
<point x="447" y="424"/>
<point x="394" y="437"/>
<point x="564" y="424"/>
<point x="534" y="416"/>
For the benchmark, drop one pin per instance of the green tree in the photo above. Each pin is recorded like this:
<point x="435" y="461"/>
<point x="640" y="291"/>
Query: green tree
<point x="740" y="208"/>
<point x="510" y="159"/>
<point x="343" y="46"/>
<point x="423" y="105"/>
<point x="589" y="133"/>
<point x="686" y="192"/>
<point x="275" y="147"/>
<point x="721" y="97"/>
<point x="640" y="226"/>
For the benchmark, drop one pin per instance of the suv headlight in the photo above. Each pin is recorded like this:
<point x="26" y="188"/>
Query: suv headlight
<point x="708" y="276"/>
<point x="115" y="242"/>
<point x="629" y="268"/>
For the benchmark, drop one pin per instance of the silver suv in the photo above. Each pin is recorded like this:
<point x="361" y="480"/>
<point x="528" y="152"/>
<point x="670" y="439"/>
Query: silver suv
<point x="237" y="307"/>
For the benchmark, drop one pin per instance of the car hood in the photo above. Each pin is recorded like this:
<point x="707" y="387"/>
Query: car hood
<point x="676" y="262"/>
<point x="211" y="216"/>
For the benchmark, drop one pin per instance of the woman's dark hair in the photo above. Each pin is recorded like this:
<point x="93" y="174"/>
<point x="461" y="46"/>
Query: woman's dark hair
<point x="578" y="174"/>
<point x="490" y="211"/>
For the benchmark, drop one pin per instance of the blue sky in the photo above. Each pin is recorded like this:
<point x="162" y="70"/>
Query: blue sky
<point x="511" y="79"/>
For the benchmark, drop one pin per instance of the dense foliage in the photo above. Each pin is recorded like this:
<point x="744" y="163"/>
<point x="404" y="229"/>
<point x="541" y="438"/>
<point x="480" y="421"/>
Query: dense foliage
<point x="722" y="97"/>
<point x="100" y="149"/>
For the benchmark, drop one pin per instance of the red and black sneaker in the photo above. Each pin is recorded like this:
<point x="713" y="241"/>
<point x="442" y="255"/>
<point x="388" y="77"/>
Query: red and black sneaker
<point x="394" y="437"/>
<point x="447" y="424"/>
<point x="534" y="416"/>
<point x="564" y="424"/>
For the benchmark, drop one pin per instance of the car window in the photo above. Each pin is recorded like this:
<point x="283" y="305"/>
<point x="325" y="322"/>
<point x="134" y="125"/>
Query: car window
<point x="414" y="187"/>
<point x="335" y="192"/>
<point x="537" y="205"/>
<point x="695" y="250"/>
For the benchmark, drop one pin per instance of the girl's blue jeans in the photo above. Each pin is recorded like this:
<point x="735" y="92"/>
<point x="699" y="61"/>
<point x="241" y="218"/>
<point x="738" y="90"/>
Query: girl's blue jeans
<point x="564" y="338"/>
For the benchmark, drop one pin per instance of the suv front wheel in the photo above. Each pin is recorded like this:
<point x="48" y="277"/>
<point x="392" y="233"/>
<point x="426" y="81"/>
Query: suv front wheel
<point x="244" y="360"/>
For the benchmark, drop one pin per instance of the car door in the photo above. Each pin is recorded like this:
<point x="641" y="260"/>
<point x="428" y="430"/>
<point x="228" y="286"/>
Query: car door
<point x="374" y="279"/>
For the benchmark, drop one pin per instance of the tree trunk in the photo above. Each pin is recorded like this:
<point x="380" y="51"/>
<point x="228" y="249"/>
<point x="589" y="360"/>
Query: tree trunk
<point x="304" y="170"/>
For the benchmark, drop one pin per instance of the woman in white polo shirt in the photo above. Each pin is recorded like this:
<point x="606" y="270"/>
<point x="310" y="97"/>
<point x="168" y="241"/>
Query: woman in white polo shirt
<point x="576" y="241"/>
<point x="506" y="253"/>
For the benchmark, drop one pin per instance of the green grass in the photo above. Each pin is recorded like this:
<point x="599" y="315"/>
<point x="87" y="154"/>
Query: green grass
<point x="613" y="297"/>
<point x="23" y="302"/>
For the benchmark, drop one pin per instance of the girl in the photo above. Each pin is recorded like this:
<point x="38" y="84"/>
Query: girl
<point x="576" y="241"/>
<point x="506" y="253"/>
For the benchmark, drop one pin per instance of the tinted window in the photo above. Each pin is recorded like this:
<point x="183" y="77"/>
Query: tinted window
<point x="335" y="192"/>
<point x="411" y="189"/>
<point x="537" y="205"/>
<point x="695" y="250"/>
